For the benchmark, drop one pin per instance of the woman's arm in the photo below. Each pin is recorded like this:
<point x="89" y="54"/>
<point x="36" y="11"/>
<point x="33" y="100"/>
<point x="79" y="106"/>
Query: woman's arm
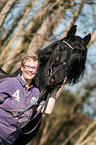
<point x="4" y="89"/>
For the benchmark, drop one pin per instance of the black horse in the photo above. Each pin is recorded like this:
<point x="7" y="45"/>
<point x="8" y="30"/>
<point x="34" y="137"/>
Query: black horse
<point x="63" y="61"/>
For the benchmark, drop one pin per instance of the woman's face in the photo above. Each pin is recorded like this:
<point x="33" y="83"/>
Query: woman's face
<point x="29" y="69"/>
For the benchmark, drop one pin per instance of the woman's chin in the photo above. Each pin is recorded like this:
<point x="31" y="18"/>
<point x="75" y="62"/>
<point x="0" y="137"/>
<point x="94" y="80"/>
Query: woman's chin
<point x="30" y="76"/>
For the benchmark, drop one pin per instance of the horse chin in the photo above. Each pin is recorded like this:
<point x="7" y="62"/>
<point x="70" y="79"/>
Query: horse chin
<point x="51" y="82"/>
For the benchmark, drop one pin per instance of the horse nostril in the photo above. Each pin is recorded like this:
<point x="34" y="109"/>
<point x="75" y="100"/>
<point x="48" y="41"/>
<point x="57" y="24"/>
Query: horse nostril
<point x="52" y="80"/>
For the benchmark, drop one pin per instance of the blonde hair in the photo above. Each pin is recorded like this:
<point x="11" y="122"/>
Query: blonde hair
<point x="33" y="57"/>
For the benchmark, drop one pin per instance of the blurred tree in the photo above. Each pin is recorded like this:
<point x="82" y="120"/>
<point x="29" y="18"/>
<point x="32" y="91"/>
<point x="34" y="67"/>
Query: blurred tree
<point x="26" y="26"/>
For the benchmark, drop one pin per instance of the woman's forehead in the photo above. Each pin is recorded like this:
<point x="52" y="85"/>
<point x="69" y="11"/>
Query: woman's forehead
<point x="31" y="61"/>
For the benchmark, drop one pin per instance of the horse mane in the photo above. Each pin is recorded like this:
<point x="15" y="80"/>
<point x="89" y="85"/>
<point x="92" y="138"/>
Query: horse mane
<point x="75" y="59"/>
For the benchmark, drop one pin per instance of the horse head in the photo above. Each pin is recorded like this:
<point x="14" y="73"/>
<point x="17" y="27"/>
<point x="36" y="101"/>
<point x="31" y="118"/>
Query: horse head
<point x="63" y="61"/>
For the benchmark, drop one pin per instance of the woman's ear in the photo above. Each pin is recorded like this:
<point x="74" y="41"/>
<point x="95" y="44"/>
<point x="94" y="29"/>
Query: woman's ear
<point x="21" y="68"/>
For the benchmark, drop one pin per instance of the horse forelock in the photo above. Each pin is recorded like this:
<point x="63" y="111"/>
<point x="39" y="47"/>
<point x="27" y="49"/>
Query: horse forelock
<point x="77" y="60"/>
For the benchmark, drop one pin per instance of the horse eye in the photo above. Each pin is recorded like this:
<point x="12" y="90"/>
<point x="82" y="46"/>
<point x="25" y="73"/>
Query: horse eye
<point x="57" y="58"/>
<point x="50" y="71"/>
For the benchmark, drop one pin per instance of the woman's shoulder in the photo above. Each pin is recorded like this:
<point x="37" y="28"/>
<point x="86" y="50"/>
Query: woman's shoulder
<point x="9" y="79"/>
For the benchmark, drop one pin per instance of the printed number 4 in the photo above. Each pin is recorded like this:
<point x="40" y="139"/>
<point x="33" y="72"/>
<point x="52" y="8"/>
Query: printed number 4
<point x="16" y="95"/>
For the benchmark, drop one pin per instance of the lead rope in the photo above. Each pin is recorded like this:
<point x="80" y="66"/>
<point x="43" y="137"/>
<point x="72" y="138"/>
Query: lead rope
<point x="42" y="109"/>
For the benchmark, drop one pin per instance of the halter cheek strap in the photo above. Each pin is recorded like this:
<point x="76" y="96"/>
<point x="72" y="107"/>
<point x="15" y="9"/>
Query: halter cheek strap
<point x="68" y="44"/>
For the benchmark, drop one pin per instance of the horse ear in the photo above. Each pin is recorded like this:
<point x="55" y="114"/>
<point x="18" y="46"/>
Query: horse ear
<point x="71" y="32"/>
<point x="87" y="38"/>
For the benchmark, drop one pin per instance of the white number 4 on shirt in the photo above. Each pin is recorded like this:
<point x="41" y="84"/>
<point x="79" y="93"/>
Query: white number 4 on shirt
<point x="16" y="95"/>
